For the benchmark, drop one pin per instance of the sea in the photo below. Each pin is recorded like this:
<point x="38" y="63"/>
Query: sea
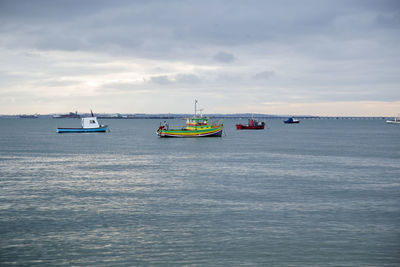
<point x="318" y="193"/>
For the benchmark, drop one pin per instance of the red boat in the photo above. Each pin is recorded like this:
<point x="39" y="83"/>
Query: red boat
<point x="253" y="125"/>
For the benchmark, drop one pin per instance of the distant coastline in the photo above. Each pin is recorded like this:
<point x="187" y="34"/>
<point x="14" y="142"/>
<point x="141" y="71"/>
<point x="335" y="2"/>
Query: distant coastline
<point x="183" y="115"/>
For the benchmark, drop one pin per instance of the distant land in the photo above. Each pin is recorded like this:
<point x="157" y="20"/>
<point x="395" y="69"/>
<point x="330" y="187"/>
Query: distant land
<point x="178" y="116"/>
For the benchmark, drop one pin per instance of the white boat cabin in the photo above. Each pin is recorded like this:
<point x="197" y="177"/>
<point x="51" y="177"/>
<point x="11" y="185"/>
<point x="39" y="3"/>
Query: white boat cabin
<point x="90" y="122"/>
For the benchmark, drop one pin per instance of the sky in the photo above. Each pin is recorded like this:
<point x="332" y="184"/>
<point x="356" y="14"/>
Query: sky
<point x="310" y="57"/>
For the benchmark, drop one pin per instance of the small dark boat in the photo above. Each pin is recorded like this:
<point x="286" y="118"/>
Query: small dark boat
<point x="253" y="125"/>
<point x="28" y="116"/>
<point x="291" y="120"/>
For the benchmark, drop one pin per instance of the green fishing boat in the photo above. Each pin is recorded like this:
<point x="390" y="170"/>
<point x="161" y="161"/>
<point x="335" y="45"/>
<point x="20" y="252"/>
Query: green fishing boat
<point x="197" y="126"/>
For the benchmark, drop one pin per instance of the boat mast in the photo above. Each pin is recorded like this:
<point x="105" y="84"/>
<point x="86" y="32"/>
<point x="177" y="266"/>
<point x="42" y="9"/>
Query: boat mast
<point x="195" y="109"/>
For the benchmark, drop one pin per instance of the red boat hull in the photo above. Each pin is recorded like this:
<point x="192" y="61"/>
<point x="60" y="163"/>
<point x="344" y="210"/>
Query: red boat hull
<point x="247" y="127"/>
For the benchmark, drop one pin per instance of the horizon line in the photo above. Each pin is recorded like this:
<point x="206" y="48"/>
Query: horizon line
<point x="138" y="115"/>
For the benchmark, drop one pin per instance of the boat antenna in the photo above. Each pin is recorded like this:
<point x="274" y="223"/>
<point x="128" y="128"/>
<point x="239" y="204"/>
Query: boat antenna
<point x="195" y="108"/>
<point x="91" y="113"/>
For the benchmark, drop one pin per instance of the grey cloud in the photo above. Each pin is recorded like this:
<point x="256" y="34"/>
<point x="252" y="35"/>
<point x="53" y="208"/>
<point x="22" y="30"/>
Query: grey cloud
<point x="176" y="79"/>
<point x="162" y="79"/>
<point x="187" y="78"/>
<point x="116" y="87"/>
<point x="58" y="83"/>
<point x="389" y="20"/>
<point x="139" y="28"/>
<point x="229" y="78"/>
<point x="8" y="79"/>
<point x="224" y="57"/>
<point x="265" y="75"/>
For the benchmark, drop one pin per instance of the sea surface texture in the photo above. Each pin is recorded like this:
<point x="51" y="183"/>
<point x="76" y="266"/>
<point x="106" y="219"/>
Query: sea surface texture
<point x="320" y="193"/>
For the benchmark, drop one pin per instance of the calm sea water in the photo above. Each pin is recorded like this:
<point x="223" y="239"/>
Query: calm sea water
<point x="321" y="193"/>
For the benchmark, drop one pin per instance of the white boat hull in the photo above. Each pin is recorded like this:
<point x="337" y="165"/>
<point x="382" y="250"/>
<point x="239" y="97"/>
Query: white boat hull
<point x="393" y="122"/>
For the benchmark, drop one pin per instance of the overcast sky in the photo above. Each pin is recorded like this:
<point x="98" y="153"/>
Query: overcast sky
<point x="274" y="57"/>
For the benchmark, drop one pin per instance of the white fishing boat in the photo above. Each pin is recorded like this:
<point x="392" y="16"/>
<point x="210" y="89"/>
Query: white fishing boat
<point x="396" y="120"/>
<point x="89" y="125"/>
